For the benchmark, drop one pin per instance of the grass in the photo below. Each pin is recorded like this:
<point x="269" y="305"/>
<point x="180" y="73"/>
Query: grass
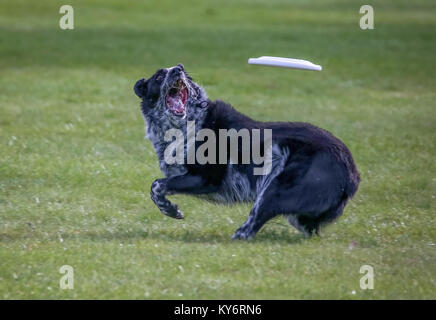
<point x="75" y="171"/>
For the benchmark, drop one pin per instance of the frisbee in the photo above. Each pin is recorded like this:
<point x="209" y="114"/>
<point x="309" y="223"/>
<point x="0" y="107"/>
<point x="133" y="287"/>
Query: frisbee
<point x="285" y="63"/>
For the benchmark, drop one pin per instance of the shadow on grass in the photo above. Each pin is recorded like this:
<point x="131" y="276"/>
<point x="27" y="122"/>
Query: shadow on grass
<point x="209" y="237"/>
<point x="271" y="236"/>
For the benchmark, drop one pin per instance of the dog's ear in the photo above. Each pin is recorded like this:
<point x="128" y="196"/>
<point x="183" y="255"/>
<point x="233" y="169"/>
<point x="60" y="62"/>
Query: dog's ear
<point x="140" y="88"/>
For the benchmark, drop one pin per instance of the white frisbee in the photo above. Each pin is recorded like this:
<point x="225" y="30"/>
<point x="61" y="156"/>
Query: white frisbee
<point x="285" y="63"/>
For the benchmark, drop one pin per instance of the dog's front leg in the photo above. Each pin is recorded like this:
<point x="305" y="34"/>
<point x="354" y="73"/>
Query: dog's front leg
<point x="158" y="191"/>
<point x="186" y="183"/>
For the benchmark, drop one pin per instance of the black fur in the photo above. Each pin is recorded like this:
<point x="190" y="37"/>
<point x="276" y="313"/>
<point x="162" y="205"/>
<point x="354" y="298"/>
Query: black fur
<point x="313" y="173"/>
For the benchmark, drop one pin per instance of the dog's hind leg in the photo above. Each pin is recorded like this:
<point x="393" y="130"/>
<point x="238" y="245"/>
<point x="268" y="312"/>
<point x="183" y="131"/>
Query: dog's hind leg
<point x="278" y="199"/>
<point x="257" y="218"/>
<point x="311" y="225"/>
<point x="309" y="198"/>
<point x="294" y="221"/>
<point x="305" y="224"/>
<point x="262" y="211"/>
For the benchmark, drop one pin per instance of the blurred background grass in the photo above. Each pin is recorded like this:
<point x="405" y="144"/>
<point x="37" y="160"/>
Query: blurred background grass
<point x="75" y="170"/>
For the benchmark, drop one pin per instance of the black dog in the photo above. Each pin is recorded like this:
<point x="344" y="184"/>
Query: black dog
<point x="312" y="173"/>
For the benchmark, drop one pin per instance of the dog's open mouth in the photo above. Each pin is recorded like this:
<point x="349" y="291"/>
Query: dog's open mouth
<point x="176" y="98"/>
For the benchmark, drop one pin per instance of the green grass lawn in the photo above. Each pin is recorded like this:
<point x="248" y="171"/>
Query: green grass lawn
<point x="75" y="170"/>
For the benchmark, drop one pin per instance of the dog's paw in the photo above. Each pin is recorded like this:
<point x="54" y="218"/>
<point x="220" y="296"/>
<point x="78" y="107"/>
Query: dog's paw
<point x="173" y="212"/>
<point x="240" y="235"/>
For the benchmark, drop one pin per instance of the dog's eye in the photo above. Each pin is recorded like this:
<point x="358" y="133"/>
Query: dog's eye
<point x="159" y="78"/>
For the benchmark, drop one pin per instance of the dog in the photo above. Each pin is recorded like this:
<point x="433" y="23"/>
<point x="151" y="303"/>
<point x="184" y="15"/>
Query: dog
<point x="312" y="173"/>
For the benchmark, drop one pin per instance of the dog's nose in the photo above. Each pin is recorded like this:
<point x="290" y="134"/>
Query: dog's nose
<point x="177" y="70"/>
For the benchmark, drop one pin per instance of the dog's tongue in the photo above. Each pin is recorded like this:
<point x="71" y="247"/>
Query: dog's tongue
<point x="175" y="102"/>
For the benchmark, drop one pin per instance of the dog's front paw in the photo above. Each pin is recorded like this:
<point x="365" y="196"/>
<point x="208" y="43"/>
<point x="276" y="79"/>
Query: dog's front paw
<point x="157" y="193"/>
<point x="173" y="211"/>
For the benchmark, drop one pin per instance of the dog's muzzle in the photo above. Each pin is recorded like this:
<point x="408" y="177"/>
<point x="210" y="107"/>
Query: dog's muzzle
<point x="177" y="94"/>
